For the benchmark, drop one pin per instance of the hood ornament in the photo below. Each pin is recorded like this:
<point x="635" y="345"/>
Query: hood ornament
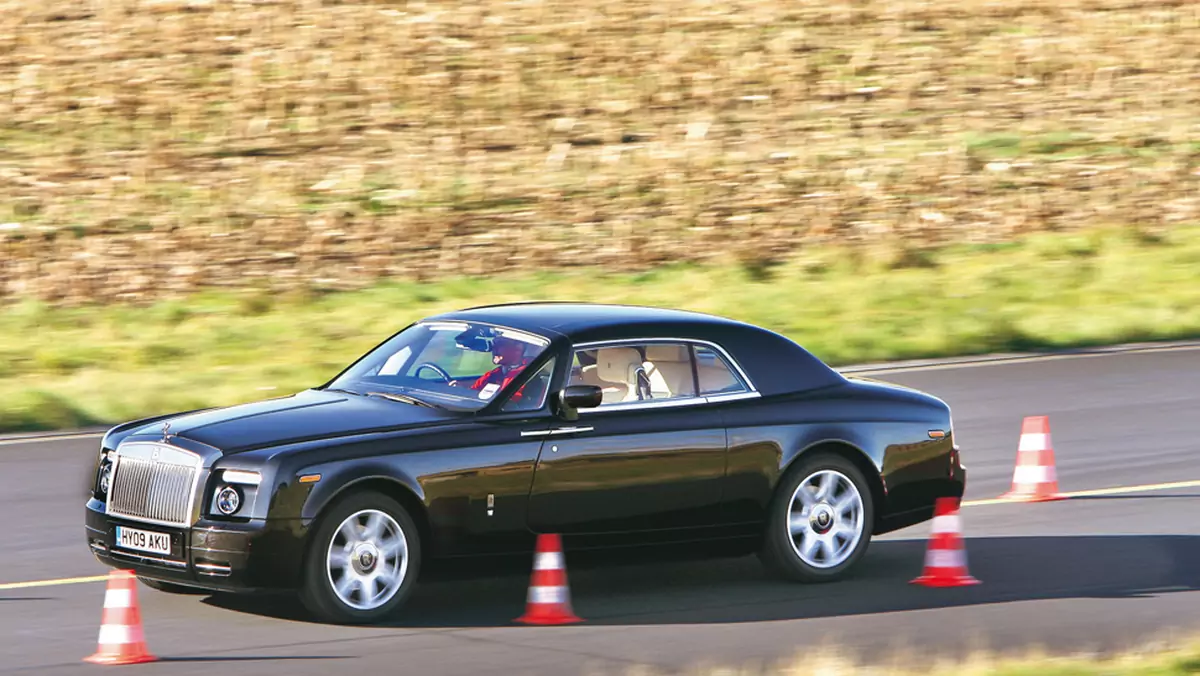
<point x="166" y="431"/>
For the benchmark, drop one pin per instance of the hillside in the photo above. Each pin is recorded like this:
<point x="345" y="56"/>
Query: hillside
<point x="151" y="148"/>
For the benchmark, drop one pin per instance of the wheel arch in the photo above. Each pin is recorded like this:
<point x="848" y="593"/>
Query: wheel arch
<point x="387" y="485"/>
<point x="851" y="452"/>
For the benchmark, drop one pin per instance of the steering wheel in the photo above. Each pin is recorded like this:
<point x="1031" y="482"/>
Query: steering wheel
<point x="433" y="367"/>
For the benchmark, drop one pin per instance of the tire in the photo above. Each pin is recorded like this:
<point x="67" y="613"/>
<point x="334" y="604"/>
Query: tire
<point x="323" y="566"/>
<point x="172" y="588"/>
<point x="837" y="549"/>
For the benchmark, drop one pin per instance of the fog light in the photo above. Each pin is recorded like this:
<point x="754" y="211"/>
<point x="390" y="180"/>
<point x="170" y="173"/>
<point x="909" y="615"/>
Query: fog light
<point x="229" y="499"/>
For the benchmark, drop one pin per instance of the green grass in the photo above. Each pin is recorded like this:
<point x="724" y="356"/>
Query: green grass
<point x="1182" y="659"/>
<point x="61" y="366"/>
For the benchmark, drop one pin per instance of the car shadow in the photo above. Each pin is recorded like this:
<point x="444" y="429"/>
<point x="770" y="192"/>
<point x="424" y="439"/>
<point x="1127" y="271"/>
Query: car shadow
<point x="252" y="658"/>
<point x="740" y="590"/>
<point x="1173" y="496"/>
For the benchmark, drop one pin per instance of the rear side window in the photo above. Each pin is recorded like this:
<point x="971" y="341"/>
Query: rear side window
<point x="631" y="373"/>
<point x="714" y="374"/>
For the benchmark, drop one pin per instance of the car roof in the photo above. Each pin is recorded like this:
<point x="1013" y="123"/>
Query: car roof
<point x="774" y="363"/>
<point x="575" y="320"/>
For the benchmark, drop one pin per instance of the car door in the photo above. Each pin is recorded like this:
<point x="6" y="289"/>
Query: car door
<point x="478" y="496"/>
<point x="650" y="457"/>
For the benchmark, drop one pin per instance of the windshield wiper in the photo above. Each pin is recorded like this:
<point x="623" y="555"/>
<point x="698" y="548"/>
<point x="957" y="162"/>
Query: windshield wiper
<point x="404" y="398"/>
<point x="338" y="389"/>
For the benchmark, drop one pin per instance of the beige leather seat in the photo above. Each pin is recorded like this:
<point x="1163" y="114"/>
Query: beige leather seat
<point x="616" y="372"/>
<point x="612" y="391"/>
<point x="714" y="375"/>
<point x="669" y="368"/>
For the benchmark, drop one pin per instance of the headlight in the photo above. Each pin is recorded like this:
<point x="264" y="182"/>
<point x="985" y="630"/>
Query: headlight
<point x="241" y="476"/>
<point x="105" y="476"/>
<point x="104" y="473"/>
<point x="229" y="500"/>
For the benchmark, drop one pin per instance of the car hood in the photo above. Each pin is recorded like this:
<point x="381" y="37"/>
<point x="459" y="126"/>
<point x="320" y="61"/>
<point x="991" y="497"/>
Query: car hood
<point x="312" y="414"/>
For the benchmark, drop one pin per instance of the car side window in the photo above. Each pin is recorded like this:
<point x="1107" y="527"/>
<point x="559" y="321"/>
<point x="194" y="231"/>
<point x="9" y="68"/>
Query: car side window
<point x="532" y="395"/>
<point x="715" y="375"/>
<point x="631" y="373"/>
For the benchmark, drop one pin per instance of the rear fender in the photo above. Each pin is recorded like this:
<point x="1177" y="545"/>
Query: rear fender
<point x="826" y="435"/>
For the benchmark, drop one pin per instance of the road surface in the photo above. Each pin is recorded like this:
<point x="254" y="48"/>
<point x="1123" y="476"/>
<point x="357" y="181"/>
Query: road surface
<point x="1090" y="573"/>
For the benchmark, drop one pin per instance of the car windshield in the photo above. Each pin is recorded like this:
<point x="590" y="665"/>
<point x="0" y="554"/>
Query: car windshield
<point x="458" y="365"/>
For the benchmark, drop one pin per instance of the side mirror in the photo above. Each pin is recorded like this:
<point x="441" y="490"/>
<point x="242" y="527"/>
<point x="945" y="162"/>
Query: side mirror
<point x="574" y="397"/>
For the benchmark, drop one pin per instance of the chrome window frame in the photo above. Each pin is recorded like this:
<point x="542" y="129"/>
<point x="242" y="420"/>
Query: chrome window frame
<point x="751" y="392"/>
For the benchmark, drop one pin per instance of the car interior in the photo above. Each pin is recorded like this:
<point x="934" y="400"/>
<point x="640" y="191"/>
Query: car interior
<point x="629" y="373"/>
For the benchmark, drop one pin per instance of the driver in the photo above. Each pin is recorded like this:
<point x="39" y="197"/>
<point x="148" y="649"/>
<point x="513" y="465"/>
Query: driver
<point x="509" y="357"/>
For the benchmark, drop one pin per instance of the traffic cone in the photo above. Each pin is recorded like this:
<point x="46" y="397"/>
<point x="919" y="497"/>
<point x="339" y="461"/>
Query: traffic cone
<point x="1034" y="479"/>
<point x="121" y="637"/>
<point x="946" y="558"/>
<point x="549" y="600"/>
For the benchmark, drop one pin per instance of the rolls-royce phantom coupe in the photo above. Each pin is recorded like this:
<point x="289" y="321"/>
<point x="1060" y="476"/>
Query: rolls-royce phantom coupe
<point x="468" y="433"/>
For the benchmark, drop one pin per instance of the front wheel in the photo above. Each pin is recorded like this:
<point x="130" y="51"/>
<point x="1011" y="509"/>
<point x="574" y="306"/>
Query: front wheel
<point x="820" y="521"/>
<point x="362" y="562"/>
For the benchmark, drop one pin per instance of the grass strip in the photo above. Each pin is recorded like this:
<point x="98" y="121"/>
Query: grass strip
<point x="1162" y="659"/>
<point x="62" y="367"/>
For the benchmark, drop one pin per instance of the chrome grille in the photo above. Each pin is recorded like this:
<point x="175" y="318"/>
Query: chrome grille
<point x="154" y="483"/>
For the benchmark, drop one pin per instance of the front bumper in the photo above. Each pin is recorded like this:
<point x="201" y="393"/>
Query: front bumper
<point x="220" y="556"/>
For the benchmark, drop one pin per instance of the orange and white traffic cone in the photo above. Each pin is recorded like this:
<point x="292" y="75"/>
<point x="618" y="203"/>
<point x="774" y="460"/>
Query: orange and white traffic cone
<point x="946" y="558"/>
<point x="121" y="637"/>
<point x="1034" y="479"/>
<point x="549" y="600"/>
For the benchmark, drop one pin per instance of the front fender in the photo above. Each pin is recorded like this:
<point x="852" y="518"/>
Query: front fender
<point x="337" y="481"/>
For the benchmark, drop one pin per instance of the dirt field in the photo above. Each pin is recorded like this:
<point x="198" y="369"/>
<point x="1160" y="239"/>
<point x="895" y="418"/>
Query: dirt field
<point x="150" y="148"/>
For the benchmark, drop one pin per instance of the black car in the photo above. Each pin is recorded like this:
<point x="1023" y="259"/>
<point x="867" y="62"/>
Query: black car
<point x="468" y="433"/>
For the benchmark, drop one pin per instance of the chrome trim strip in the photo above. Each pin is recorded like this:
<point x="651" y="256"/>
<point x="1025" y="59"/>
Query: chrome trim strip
<point x="148" y="559"/>
<point x="691" y="341"/>
<point x="646" y="404"/>
<point x="213" y="569"/>
<point x="560" y="430"/>
<point x="571" y="430"/>
<point x="732" y="396"/>
<point x="672" y="403"/>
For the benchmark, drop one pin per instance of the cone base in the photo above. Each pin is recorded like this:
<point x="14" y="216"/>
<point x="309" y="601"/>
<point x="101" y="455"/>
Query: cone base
<point x="557" y="620"/>
<point x="102" y="658"/>
<point x="940" y="581"/>
<point x="1031" y="497"/>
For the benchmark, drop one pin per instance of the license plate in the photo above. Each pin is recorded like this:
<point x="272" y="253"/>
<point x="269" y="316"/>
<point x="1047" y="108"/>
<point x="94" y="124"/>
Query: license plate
<point x="143" y="540"/>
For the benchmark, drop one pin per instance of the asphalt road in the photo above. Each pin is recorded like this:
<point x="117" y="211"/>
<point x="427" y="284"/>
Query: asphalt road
<point x="1094" y="573"/>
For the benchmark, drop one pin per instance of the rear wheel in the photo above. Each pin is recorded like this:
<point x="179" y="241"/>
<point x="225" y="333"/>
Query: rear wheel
<point x="362" y="562"/>
<point x="820" y="520"/>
